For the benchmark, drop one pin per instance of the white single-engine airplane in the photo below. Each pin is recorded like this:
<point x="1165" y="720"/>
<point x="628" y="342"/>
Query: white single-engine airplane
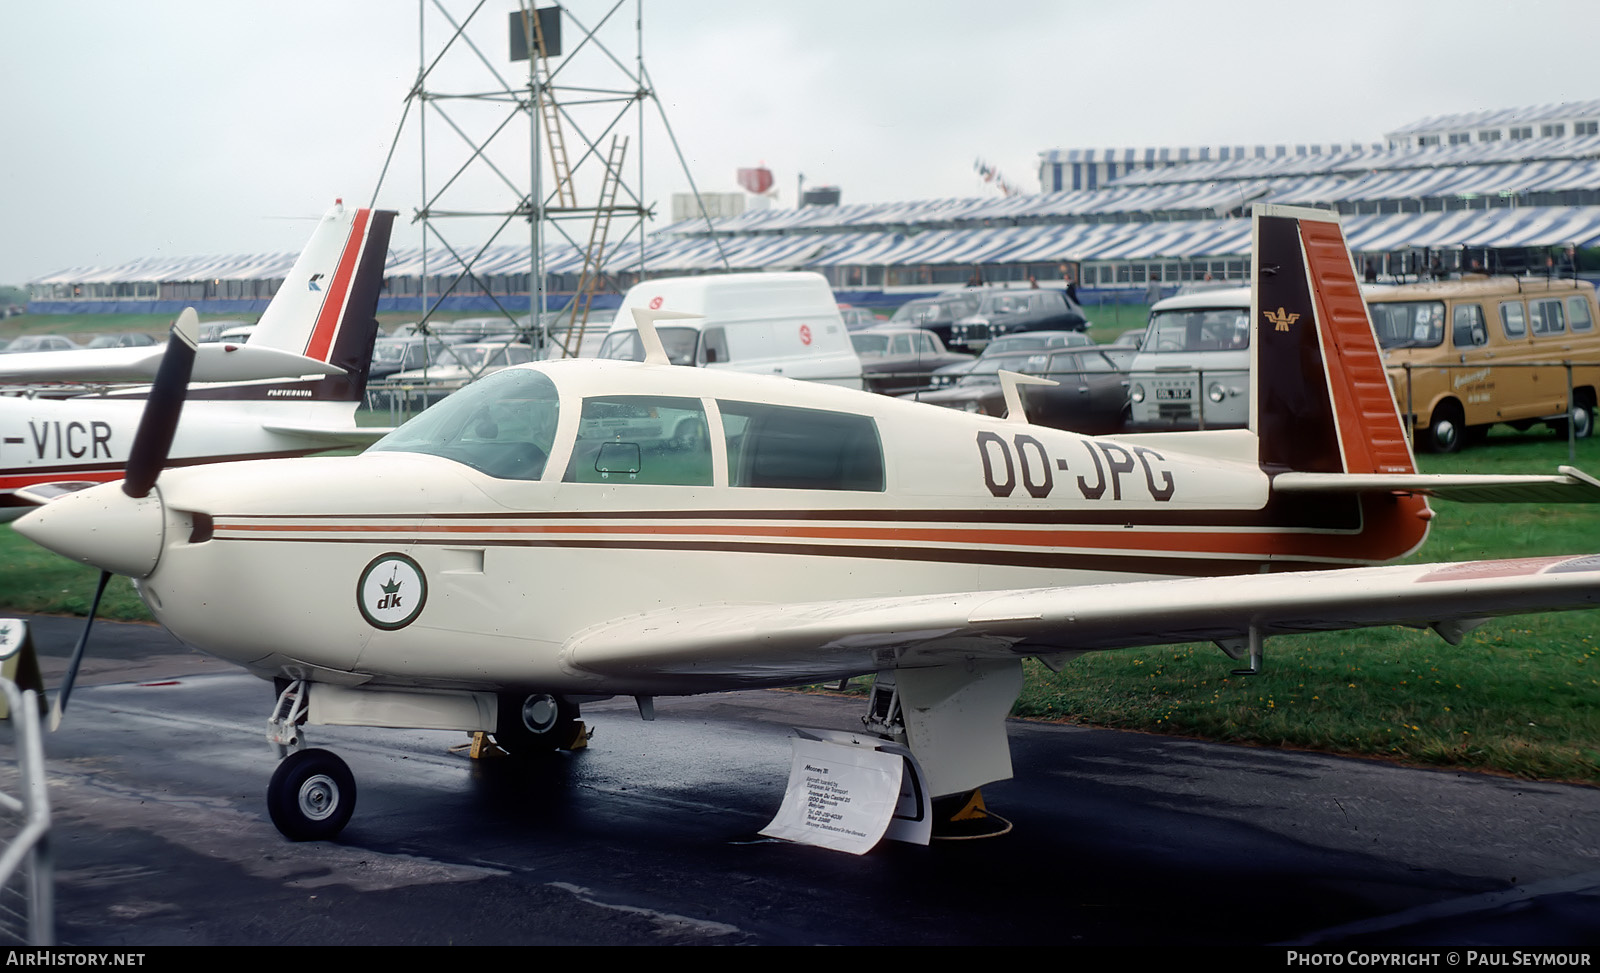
<point x="318" y="330"/>
<point x="549" y="536"/>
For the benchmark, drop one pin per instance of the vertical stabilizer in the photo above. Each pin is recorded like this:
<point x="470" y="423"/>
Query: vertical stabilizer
<point x="326" y="309"/>
<point x="1321" y="401"/>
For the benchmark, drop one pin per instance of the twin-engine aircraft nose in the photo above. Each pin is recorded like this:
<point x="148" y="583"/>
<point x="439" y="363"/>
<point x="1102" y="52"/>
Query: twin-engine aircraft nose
<point x="101" y="526"/>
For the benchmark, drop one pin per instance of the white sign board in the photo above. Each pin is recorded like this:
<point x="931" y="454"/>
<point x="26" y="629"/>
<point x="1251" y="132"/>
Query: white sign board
<point x="839" y="797"/>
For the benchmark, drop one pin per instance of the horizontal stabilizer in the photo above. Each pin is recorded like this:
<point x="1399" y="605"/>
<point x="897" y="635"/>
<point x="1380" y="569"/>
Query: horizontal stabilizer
<point x="1571" y="486"/>
<point x="734" y="646"/>
<point x="353" y="435"/>
<point x="215" y="362"/>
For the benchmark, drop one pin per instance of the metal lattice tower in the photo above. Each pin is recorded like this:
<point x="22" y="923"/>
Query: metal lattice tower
<point x="479" y="182"/>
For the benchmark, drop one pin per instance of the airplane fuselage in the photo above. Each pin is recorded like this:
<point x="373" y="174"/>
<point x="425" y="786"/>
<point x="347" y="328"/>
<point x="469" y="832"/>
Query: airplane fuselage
<point x="401" y="567"/>
<point x="87" y="439"/>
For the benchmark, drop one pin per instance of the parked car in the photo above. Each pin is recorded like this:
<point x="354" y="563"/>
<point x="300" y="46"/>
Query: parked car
<point x="1132" y="338"/>
<point x="212" y="330"/>
<point x="457" y="365"/>
<point x="858" y="318"/>
<point x="936" y="314"/>
<point x="1027" y="341"/>
<point x="1090" y="396"/>
<point x="391" y="355"/>
<point x="127" y="339"/>
<point x="897" y="360"/>
<point x="39" y="342"/>
<point x="1003" y="312"/>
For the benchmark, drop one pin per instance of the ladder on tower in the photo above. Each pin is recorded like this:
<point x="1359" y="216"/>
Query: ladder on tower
<point x="594" y="254"/>
<point x="550" y="113"/>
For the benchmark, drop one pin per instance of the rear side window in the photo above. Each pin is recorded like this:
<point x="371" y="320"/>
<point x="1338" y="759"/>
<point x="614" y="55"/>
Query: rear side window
<point x="1512" y="320"/>
<point x="1578" y="314"/>
<point x="1547" y="317"/>
<point x="800" y="449"/>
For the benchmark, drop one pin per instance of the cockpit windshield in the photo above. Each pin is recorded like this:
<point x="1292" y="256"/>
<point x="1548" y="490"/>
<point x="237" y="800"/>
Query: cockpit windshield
<point x="503" y="425"/>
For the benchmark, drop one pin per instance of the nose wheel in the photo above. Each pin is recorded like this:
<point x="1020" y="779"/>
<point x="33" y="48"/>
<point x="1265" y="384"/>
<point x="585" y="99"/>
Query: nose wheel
<point x="312" y="795"/>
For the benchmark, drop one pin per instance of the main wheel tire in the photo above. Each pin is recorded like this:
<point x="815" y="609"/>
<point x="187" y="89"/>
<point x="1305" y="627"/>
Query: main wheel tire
<point x="531" y="724"/>
<point x="312" y="795"/>
<point x="1447" y="429"/>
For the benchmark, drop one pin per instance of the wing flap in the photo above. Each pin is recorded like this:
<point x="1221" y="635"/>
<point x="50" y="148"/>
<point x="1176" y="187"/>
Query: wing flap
<point x="735" y="646"/>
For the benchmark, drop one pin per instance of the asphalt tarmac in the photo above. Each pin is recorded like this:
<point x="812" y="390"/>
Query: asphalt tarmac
<point x="1122" y="840"/>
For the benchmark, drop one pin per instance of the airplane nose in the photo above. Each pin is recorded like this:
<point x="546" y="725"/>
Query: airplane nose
<point x="101" y="526"/>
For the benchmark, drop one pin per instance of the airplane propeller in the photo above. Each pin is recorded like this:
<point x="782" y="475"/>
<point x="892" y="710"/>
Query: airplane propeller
<point x="151" y="446"/>
<point x="159" y="423"/>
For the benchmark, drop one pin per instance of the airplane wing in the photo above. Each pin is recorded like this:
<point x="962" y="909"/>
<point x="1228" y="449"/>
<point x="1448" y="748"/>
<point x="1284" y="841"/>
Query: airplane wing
<point x="739" y="646"/>
<point x="1571" y="486"/>
<point x="216" y="362"/>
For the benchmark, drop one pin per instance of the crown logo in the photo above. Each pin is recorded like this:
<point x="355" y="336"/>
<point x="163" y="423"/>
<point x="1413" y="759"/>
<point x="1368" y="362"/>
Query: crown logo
<point x="1281" y="319"/>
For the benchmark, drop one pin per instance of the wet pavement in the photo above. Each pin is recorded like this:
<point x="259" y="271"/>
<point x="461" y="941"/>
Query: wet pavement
<point x="650" y="836"/>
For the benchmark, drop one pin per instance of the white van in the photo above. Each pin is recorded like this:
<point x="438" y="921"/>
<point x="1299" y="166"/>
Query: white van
<point x="1193" y="369"/>
<point x="780" y="324"/>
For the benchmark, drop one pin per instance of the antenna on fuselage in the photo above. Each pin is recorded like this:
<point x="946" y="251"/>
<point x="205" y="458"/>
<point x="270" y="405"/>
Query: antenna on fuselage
<point x="644" y="318"/>
<point x="1008" y="387"/>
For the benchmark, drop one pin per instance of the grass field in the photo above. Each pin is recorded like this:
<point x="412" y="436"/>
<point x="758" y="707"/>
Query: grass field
<point x="1518" y="696"/>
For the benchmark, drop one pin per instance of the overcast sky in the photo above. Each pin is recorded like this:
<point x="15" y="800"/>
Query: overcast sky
<point x="184" y="127"/>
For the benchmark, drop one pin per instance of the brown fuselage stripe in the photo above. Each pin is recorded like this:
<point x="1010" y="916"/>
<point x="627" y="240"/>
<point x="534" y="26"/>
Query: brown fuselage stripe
<point x="1237" y="544"/>
<point x="1110" y="563"/>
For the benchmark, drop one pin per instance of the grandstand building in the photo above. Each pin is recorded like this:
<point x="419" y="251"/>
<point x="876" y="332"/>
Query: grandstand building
<point x="1134" y="219"/>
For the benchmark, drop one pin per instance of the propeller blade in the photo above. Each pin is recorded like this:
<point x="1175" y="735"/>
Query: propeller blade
<point x="71" y="676"/>
<point x="160" y="420"/>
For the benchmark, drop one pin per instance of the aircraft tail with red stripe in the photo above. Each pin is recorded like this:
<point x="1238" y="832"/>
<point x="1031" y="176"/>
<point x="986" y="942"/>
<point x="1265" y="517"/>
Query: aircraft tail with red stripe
<point x="326" y="309"/>
<point x="1321" y="402"/>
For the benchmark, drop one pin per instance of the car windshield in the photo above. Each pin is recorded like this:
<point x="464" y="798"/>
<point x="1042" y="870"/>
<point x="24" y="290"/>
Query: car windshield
<point x="1034" y="342"/>
<point x="679" y="342"/>
<point x="917" y="314"/>
<point x="389" y="352"/>
<point x="1006" y="304"/>
<point x="503" y="426"/>
<point x="870" y="345"/>
<point x="1199" y="329"/>
<point x="984" y="369"/>
<point x="1408" y="324"/>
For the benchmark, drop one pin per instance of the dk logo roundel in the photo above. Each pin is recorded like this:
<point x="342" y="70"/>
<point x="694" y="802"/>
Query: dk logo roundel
<point x="391" y="591"/>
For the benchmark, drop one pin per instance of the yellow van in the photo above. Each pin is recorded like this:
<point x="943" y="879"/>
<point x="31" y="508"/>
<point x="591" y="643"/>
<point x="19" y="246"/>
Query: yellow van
<point x="1465" y="354"/>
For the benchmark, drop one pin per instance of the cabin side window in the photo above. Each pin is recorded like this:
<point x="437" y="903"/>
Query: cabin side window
<point x="1512" y="320"/>
<point x="1466" y="329"/>
<point x="800" y="449"/>
<point x="641" y="439"/>
<point x="1578" y="313"/>
<point x="1547" y="317"/>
